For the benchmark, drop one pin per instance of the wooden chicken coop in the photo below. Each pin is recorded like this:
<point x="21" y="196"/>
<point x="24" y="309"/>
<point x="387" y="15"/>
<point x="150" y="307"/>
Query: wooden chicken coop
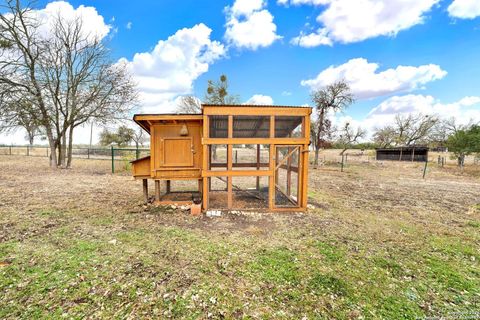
<point x="229" y="156"/>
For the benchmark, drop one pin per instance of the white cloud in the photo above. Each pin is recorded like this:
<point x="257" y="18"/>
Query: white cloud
<point x="348" y="21"/>
<point x="260" y="99"/>
<point x="286" y="93"/>
<point x="249" y="25"/>
<point x="129" y="25"/>
<point x="464" y="9"/>
<point x="93" y="23"/>
<point x="171" y="67"/>
<point x="463" y="110"/>
<point x="313" y="39"/>
<point x="366" y="82"/>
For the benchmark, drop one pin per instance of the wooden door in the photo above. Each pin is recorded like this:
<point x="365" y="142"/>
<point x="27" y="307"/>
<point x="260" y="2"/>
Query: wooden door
<point x="178" y="152"/>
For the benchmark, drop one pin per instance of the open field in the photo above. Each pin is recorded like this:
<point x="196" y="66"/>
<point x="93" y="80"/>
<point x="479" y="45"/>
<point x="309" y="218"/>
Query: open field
<point x="380" y="243"/>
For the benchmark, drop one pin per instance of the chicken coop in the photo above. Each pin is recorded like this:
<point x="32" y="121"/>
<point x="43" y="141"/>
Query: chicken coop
<point x="228" y="157"/>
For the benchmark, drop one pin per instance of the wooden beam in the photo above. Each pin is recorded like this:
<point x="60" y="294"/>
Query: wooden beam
<point x="237" y="173"/>
<point x="258" y="166"/>
<point x="168" y="189"/>
<point x="280" y="141"/>
<point x="257" y="111"/>
<point x="157" y="190"/>
<point x="289" y="176"/>
<point x="205" y="163"/>
<point x="229" y="164"/>
<point x="171" y="117"/>
<point x="286" y="157"/>
<point x="145" y="190"/>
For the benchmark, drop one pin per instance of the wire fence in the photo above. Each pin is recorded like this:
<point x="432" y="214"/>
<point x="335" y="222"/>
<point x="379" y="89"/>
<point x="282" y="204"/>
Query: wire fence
<point x="108" y="154"/>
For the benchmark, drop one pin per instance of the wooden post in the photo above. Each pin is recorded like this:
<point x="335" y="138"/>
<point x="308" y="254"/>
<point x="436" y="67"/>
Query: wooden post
<point x="425" y="169"/>
<point x="258" y="166"/>
<point x="229" y="164"/>
<point x="401" y="152"/>
<point x="28" y="151"/>
<point x="413" y="154"/>
<point x="47" y="151"/>
<point x="145" y="190"/>
<point x="11" y="150"/>
<point x="271" y="162"/>
<point x="289" y="174"/>
<point x="168" y="186"/>
<point x="205" y="163"/>
<point x="88" y="153"/>
<point x="343" y="156"/>
<point x="157" y="190"/>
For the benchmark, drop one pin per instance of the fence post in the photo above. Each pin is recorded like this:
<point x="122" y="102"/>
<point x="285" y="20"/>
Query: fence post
<point x="425" y="169"/>
<point x="47" y="151"/>
<point x="113" y="159"/>
<point x="342" y="162"/>
<point x="10" y="150"/>
<point x="88" y="153"/>
<point x="28" y="151"/>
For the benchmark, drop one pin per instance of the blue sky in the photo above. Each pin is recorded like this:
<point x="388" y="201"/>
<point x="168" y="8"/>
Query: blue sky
<point x="400" y="56"/>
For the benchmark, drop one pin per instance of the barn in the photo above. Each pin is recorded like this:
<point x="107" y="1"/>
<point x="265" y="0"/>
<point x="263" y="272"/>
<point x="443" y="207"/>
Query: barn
<point x="238" y="156"/>
<point x="411" y="153"/>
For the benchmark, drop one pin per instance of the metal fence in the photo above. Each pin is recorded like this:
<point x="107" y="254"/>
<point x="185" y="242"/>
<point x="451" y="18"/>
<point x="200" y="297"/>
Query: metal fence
<point x="111" y="154"/>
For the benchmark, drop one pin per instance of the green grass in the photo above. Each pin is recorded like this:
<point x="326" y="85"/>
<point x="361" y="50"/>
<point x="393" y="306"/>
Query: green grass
<point x="353" y="257"/>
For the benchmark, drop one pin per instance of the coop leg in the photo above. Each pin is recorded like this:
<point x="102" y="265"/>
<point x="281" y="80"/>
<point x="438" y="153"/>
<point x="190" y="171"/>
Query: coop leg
<point x="157" y="190"/>
<point x="168" y="186"/>
<point x="145" y="190"/>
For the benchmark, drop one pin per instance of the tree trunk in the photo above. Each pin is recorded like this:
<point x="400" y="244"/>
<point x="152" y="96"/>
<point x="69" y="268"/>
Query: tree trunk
<point x="70" y="145"/>
<point x="31" y="138"/>
<point x="62" y="151"/>
<point x="53" y="149"/>
<point x="315" y="162"/>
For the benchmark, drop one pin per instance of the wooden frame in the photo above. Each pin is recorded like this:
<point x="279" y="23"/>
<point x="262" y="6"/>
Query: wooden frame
<point x="265" y="169"/>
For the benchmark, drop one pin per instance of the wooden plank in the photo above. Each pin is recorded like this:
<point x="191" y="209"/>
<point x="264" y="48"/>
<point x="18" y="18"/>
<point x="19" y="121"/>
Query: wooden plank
<point x="152" y="151"/>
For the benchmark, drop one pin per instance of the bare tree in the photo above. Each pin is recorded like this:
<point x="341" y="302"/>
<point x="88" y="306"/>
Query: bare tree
<point x="348" y="136"/>
<point x="334" y="97"/>
<point x="413" y="129"/>
<point x="321" y="139"/>
<point x="189" y="104"/>
<point x="68" y="76"/>
<point x="139" y="137"/>
<point x="20" y="58"/>
<point x="384" y="137"/>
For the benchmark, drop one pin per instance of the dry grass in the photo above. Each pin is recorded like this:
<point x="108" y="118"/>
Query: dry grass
<point x="381" y="243"/>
